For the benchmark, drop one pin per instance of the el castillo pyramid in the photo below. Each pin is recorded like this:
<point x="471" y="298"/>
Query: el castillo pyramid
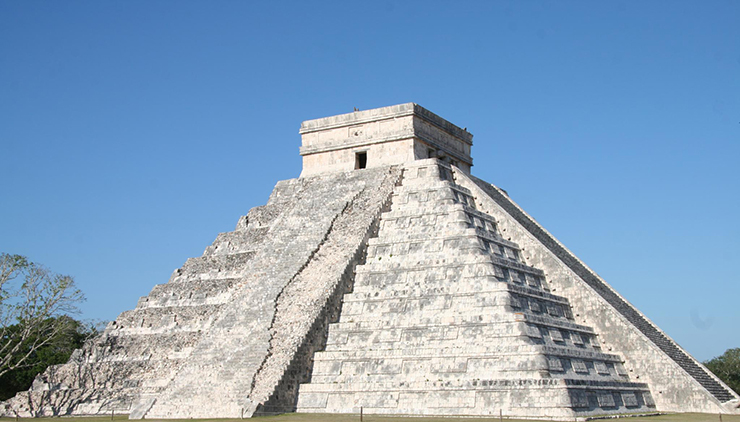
<point x="388" y="278"/>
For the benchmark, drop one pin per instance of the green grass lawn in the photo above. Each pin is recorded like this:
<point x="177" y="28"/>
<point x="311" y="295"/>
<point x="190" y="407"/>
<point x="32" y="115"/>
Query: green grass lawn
<point x="307" y="417"/>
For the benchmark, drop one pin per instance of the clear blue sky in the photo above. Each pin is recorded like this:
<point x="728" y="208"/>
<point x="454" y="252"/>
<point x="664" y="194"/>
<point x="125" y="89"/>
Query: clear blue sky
<point x="132" y="133"/>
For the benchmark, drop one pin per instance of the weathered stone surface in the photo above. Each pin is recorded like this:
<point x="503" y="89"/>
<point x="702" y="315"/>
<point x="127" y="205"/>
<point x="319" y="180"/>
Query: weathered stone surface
<point x="406" y="286"/>
<point x="447" y="318"/>
<point x="195" y="345"/>
<point x="678" y="381"/>
<point x="384" y="136"/>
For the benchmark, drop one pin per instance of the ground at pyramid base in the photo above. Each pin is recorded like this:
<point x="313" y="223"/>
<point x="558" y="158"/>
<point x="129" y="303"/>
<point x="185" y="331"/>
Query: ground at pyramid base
<point x="354" y="417"/>
<point x="386" y="278"/>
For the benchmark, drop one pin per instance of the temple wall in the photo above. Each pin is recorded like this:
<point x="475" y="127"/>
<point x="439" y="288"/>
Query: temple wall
<point x="390" y="135"/>
<point x="358" y="133"/>
<point x="378" y="155"/>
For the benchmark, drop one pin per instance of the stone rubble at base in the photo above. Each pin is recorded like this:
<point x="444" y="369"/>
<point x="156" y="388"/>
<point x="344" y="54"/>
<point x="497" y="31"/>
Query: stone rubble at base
<point x="386" y="280"/>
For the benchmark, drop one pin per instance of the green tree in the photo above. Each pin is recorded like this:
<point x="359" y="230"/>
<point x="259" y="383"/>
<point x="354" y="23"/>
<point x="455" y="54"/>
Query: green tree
<point x="55" y="351"/>
<point x="727" y="368"/>
<point x="32" y="300"/>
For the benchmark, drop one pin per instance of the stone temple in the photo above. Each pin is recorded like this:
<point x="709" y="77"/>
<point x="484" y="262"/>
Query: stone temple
<point x="388" y="278"/>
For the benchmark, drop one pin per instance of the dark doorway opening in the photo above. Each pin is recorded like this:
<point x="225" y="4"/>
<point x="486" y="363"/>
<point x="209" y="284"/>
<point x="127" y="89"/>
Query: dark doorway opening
<point x="360" y="160"/>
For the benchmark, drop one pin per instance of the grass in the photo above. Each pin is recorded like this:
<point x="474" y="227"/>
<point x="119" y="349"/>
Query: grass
<point x="310" y="417"/>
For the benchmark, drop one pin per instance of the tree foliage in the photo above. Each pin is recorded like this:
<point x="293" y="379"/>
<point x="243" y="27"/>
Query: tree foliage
<point x="727" y="368"/>
<point x="55" y="351"/>
<point x="32" y="301"/>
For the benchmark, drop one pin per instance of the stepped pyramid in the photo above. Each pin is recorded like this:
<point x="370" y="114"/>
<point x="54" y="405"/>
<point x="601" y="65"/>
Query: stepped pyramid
<point x="386" y="278"/>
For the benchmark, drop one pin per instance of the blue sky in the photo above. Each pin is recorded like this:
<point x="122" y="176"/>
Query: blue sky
<point x="132" y="133"/>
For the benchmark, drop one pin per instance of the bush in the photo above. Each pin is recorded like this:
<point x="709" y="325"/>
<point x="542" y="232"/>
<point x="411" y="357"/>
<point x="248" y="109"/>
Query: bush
<point x="727" y="368"/>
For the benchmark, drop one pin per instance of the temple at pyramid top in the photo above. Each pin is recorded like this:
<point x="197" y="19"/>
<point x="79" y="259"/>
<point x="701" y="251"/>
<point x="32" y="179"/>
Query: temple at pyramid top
<point x="382" y="136"/>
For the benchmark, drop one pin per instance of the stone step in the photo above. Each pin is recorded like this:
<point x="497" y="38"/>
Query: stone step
<point x="171" y="345"/>
<point x="547" y="321"/>
<point x="478" y="289"/>
<point x="99" y="373"/>
<point x="533" y="381"/>
<point x="213" y="267"/>
<point x="413" y="221"/>
<point x="401" y="352"/>
<point x="356" y="323"/>
<point x="430" y="235"/>
<point x="437" y="336"/>
<point x="377" y="317"/>
<point x="379" y="285"/>
<point x="421" y="352"/>
<point x="388" y="370"/>
<point x="160" y="319"/>
<point x="420" y="195"/>
<point x="475" y="264"/>
<point x="190" y="293"/>
<point x="240" y="241"/>
<point x="444" y="336"/>
<point x="432" y="240"/>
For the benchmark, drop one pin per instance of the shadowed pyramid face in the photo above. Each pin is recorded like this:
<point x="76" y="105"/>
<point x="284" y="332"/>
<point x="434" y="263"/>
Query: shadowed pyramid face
<point x="384" y="280"/>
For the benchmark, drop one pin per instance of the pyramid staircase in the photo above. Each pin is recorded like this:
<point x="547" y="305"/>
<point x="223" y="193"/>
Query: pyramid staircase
<point x="194" y="345"/>
<point x="141" y="351"/>
<point x="386" y="279"/>
<point x="446" y="319"/>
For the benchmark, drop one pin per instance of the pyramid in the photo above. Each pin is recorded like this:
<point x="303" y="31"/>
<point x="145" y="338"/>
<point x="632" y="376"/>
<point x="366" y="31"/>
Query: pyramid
<point x="385" y="279"/>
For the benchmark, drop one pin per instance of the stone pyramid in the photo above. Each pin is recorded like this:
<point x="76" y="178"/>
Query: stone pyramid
<point x="386" y="278"/>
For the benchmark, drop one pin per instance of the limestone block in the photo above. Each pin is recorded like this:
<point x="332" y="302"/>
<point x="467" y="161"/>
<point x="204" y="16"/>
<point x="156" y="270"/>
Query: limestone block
<point x="376" y="400"/>
<point x="436" y="399"/>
